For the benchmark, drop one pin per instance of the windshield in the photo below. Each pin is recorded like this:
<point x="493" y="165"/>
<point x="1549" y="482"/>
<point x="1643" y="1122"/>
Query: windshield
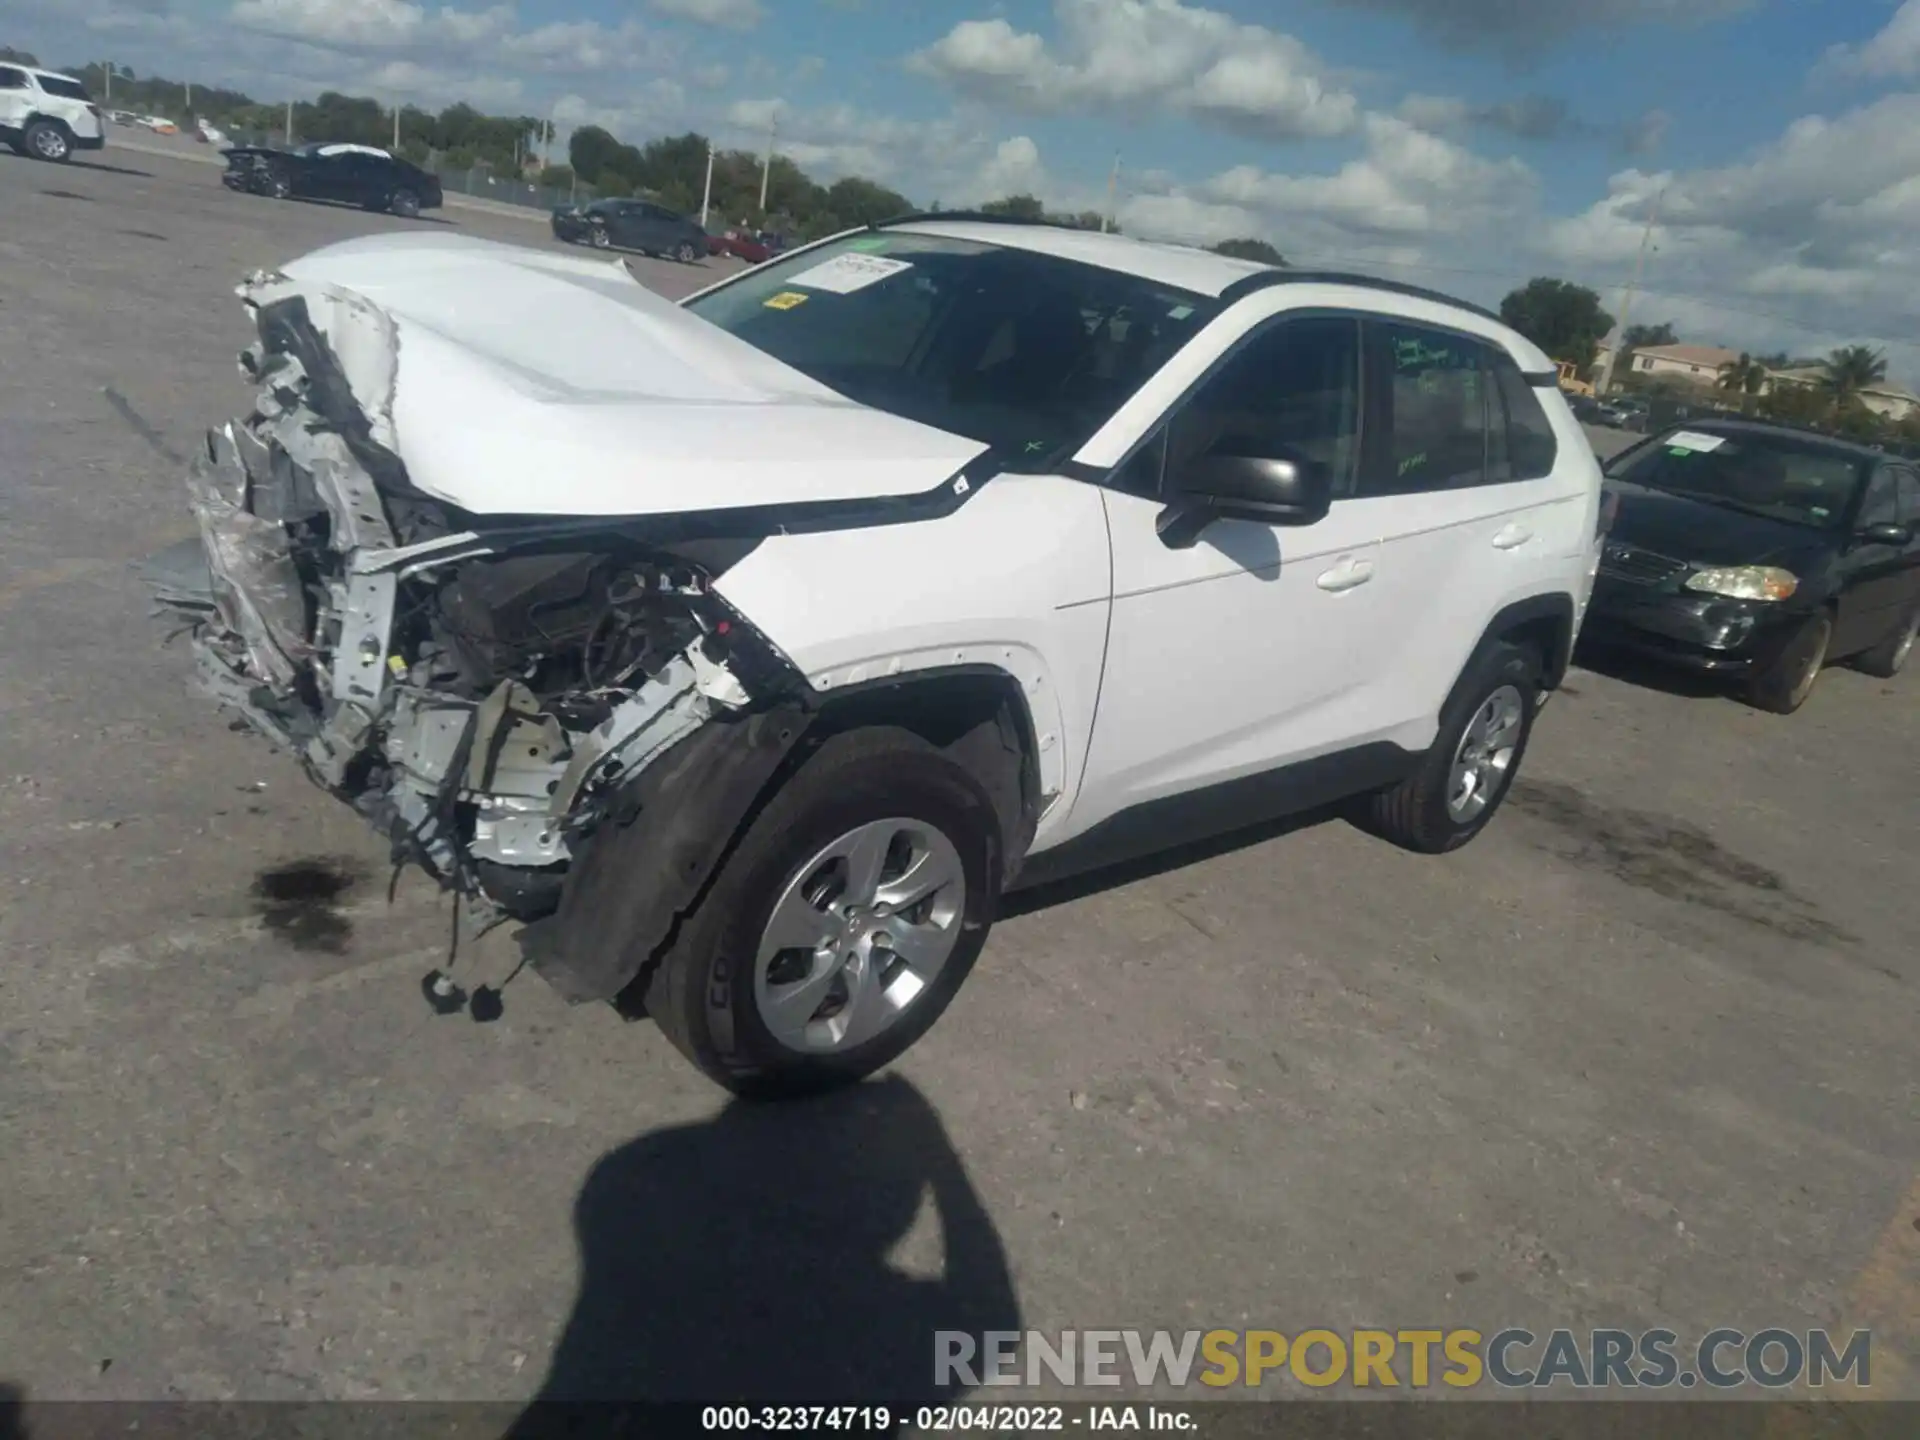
<point x="66" y="89"/>
<point x="1027" y="353"/>
<point x="1800" y="482"/>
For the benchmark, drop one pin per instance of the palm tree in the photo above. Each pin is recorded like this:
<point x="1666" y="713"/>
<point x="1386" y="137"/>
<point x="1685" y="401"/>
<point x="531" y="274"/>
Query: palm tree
<point x="1745" y="377"/>
<point x="1851" y="369"/>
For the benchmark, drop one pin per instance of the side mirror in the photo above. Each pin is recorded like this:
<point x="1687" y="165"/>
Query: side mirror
<point x="1269" y="490"/>
<point x="1887" y="532"/>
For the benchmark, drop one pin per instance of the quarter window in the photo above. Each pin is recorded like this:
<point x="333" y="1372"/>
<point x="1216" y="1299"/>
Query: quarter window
<point x="1291" y="393"/>
<point x="12" y="79"/>
<point x="1529" y="444"/>
<point x="1882" y="505"/>
<point x="1434" y="386"/>
<point x="1907" y="482"/>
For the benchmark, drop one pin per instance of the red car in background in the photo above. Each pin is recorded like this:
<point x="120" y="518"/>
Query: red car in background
<point x="752" y="246"/>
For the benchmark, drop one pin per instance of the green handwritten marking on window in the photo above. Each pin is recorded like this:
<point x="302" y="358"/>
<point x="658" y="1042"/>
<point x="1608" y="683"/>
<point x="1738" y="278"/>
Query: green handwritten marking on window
<point x="1413" y="353"/>
<point x="1413" y="462"/>
<point x="1034" y="446"/>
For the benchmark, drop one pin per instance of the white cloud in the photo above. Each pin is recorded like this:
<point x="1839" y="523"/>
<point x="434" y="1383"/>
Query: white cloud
<point x="1139" y="55"/>
<point x="447" y="33"/>
<point x="1893" y="54"/>
<point x="722" y="14"/>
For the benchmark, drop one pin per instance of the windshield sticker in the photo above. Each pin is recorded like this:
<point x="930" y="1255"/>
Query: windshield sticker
<point x="846" y="273"/>
<point x="872" y="244"/>
<point x="786" y="300"/>
<point x="1686" y="441"/>
<point x="1180" y="312"/>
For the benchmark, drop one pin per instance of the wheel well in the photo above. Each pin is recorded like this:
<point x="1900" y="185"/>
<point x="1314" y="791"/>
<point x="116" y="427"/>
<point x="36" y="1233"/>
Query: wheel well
<point x="1543" y="625"/>
<point x="978" y="716"/>
<point x="38" y="119"/>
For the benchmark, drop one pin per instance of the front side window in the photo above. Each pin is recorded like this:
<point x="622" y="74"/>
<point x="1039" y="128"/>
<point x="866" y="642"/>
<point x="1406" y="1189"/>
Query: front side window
<point x="1434" y="386"/>
<point x="1907" y="482"/>
<point x="1025" y="352"/>
<point x="1777" y="476"/>
<point x="1292" y="392"/>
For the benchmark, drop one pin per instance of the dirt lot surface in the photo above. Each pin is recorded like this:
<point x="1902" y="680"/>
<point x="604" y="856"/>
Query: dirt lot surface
<point x="1642" y="1055"/>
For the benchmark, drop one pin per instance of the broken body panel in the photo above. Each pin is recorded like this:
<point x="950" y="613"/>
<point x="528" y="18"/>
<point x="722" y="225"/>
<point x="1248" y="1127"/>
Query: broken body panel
<point x="480" y="599"/>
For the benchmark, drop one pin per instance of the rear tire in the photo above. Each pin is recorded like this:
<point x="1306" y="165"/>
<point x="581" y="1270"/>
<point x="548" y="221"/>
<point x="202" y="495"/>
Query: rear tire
<point x="1889" y="657"/>
<point x="1783" y="682"/>
<point x="712" y="991"/>
<point x="48" y="140"/>
<point x="686" y="254"/>
<point x="1468" y="770"/>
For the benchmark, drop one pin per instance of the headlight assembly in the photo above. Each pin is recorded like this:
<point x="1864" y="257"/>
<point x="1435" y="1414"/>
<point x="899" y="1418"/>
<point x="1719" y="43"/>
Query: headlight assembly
<point x="1745" y="582"/>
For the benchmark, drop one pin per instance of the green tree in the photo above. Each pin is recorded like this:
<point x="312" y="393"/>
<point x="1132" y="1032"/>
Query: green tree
<point x="1849" y="370"/>
<point x="853" y="201"/>
<point x="1018" y="207"/>
<point x="1745" y="378"/>
<point x="11" y="56"/>
<point x="1248" y="248"/>
<point x="1562" y="318"/>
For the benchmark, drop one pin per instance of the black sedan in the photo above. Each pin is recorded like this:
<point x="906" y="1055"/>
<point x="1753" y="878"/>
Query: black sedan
<point x="353" y="174"/>
<point x="632" y="225"/>
<point x="1761" y="553"/>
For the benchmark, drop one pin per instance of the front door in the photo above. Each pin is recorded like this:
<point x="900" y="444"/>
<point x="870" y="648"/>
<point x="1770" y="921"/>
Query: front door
<point x="1877" y="578"/>
<point x="1256" y="646"/>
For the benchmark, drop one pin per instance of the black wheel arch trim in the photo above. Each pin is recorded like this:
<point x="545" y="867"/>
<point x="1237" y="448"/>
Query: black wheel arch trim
<point x="1556" y="607"/>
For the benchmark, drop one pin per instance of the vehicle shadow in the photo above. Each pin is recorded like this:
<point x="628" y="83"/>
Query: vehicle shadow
<point x="747" y="1260"/>
<point x="1649" y="674"/>
<point x="107" y="169"/>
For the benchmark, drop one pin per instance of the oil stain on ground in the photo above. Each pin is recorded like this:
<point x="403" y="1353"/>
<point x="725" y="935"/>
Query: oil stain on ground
<point x="1672" y="859"/>
<point x="300" y="902"/>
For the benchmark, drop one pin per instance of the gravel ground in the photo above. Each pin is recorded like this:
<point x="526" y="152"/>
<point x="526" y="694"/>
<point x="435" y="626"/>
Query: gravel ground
<point x="1642" y="1055"/>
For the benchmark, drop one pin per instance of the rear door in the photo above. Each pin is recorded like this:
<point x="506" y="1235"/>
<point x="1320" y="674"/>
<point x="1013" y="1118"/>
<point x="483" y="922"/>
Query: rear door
<point x="16" y="97"/>
<point x="1478" y="500"/>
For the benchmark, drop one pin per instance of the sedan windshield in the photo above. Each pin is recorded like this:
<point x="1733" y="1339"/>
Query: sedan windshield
<point x="1782" y="478"/>
<point x="1027" y="353"/>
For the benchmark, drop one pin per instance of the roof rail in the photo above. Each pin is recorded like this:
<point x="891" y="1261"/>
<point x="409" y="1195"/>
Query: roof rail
<point x="982" y="217"/>
<point x="1249" y="284"/>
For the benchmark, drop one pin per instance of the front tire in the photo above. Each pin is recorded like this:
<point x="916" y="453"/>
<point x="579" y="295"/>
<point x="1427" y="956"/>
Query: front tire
<point x="48" y="140"/>
<point x="843" y="924"/>
<point x="405" y="204"/>
<point x="1889" y="657"/>
<point x="1783" y="682"/>
<point x="601" y="240"/>
<point x="1470" y="766"/>
<point x="686" y="254"/>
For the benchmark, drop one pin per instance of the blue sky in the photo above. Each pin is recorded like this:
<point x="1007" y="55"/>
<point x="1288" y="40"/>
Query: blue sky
<point x="1464" y="143"/>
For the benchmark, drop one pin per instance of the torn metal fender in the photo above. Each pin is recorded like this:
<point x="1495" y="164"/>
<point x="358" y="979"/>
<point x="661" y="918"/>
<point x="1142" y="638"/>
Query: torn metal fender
<point x="637" y="875"/>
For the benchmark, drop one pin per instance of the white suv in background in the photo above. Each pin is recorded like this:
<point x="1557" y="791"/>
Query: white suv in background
<point x="48" y="115"/>
<point x="754" y="646"/>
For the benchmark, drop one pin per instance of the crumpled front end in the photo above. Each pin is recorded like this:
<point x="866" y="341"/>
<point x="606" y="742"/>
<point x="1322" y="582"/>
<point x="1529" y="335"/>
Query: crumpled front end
<point x="482" y="692"/>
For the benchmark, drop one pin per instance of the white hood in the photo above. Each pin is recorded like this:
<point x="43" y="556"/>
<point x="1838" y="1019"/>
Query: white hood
<point x="516" y="381"/>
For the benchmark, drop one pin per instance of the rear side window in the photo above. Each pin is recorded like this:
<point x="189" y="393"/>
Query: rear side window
<point x="1531" y="448"/>
<point x="1435" y="389"/>
<point x="64" y="88"/>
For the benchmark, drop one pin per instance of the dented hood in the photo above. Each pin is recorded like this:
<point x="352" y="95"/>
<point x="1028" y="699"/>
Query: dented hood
<point x="524" y="382"/>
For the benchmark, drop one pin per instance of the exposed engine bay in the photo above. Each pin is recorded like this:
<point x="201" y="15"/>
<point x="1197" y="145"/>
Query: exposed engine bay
<point x="479" y="691"/>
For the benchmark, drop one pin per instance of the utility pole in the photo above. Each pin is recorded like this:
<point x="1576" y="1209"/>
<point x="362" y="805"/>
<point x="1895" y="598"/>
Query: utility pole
<point x="108" y="82"/>
<point x="396" y="127"/>
<point x="1113" y="192"/>
<point x="189" y="97"/>
<point x="289" y="124"/>
<point x="1626" y="297"/>
<point x="766" y="168"/>
<point x="706" y="195"/>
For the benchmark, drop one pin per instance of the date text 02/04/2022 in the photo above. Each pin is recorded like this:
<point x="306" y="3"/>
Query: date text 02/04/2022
<point x="941" y="1419"/>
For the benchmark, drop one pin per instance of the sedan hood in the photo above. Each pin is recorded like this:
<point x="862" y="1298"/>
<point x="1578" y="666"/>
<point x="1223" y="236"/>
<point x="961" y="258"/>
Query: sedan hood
<point x="512" y="381"/>
<point x="1705" y="534"/>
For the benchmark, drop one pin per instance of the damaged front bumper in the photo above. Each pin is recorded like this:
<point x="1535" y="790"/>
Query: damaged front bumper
<point x="485" y="696"/>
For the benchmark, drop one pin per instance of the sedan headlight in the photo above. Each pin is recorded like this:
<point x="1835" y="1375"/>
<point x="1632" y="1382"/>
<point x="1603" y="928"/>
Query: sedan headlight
<point x="1745" y="582"/>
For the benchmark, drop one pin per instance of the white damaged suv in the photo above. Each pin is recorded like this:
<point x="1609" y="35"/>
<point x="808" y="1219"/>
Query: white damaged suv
<point x="754" y="646"/>
<point x="46" y="115"/>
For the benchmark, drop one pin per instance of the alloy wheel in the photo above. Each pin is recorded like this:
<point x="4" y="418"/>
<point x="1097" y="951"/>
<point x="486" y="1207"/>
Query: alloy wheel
<point x="1485" y="754"/>
<point x="860" y="933"/>
<point x="50" y="143"/>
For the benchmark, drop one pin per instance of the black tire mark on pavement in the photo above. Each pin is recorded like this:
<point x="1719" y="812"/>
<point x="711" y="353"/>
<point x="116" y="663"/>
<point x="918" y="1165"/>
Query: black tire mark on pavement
<point x="140" y="426"/>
